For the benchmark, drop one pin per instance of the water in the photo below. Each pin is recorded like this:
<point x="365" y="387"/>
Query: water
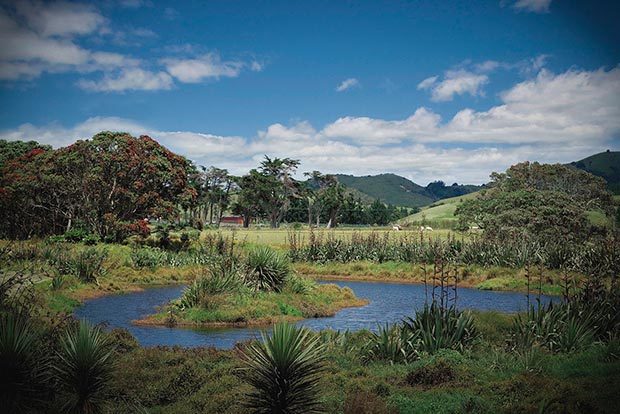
<point x="389" y="302"/>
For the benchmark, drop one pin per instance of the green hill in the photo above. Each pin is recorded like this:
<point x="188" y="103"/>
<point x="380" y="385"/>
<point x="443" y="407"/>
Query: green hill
<point x="439" y="214"/>
<point x="399" y="191"/>
<point x="605" y="165"/>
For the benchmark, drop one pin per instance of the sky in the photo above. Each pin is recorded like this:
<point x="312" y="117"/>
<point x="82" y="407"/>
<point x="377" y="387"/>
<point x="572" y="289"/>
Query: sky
<point x="425" y="89"/>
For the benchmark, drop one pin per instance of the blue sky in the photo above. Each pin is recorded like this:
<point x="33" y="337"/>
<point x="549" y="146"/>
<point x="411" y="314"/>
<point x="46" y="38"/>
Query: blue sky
<point x="429" y="90"/>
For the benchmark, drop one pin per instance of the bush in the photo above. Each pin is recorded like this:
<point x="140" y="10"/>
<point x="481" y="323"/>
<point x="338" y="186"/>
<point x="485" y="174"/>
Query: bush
<point x="267" y="269"/>
<point x="284" y="371"/>
<point x="433" y="374"/>
<point x="391" y="344"/>
<point x="84" y="369"/>
<point x="86" y="264"/>
<point x="222" y="276"/>
<point x="436" y="327"/>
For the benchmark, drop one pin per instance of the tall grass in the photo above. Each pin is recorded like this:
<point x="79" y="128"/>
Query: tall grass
<point x="423" y="249"/>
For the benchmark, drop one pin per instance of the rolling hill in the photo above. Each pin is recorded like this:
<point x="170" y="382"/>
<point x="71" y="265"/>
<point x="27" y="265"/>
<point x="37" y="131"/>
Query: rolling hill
<point x="440" y="213"/>
<point x="399" y="191"/>
<point x="606" y="165"/>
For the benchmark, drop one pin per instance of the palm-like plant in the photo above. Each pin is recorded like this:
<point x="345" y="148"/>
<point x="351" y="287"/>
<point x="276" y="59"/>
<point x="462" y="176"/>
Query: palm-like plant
<point x="84" y="369"/>
<point x="284" y="371"/>
<point x="18" y="364"/>
<point x="268" y="269"/>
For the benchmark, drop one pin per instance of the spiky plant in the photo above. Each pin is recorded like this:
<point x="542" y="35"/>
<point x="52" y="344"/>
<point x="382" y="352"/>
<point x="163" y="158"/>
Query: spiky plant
<point x="284" y="371"/>
<point x="84" y="369"/>
<point x="392" y="344"/>
<point x="19" y="373"/>
<point x="436" y="327"/>
<point x="268" y="269"/>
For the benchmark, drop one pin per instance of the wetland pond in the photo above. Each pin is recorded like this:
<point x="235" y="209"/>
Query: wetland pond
<point x="389" y="303"/>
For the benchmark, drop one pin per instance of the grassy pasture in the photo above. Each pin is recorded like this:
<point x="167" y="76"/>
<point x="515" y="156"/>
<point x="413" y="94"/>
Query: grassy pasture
<point x="439" y="214"/>
<point x="278" y="238"/>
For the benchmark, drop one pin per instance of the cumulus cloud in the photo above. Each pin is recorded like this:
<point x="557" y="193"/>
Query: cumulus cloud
<point x="45" y="37"/>
<point x="129" y="79"/>
<point x="551" y="118"/>
<point x="534" y="6"/>
<point x="347" y="84"/>
<point x="454" y="82"/>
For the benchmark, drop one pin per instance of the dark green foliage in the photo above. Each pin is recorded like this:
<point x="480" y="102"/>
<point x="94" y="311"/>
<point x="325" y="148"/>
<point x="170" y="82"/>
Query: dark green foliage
<point x="84" y="369"/>
<point x="20" y="368"/>
<point x="267" y="269"/>
<point x="606" y="165"/>
<point x="439" y="372"/>
<point x="400" y="191"/>
<point x="538" y="202"/>
<point x="10" y="150"/>
<point x="284" y="371"/>
<point x="569" y="326"/>
<point x="392" y="344"/>
<point x="104" y="184"/>
<point x="436" y="327"/>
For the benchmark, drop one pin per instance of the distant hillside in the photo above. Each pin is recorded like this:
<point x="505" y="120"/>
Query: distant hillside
<point x="440" y="213"/>
<point x="399" y="191"/>
<point x="605" y="165"/>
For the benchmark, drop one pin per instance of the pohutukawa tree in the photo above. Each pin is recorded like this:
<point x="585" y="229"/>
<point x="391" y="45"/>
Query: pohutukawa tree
<point x="103" y="184"/>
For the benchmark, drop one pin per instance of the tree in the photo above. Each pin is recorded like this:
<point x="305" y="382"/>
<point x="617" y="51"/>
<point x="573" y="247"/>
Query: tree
<point x="537" y="201"/>
<point x="378" y="213"/>
<point x="327" y="198"/>
<point x="10" y="150"/>
<point x="251" y="189"/>
<point x="101" y="184"/>
<point x="277" y="187"/>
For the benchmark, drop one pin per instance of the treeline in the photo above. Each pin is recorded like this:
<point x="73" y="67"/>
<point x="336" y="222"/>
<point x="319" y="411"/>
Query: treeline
<point x="113" y="184"/>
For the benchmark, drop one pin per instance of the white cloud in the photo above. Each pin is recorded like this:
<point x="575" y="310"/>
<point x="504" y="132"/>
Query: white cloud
<point x="257" y="66"/>
<point x="60" y="18"/>
<point x="454" y="82"/>
<point x="129" y="79"/>
<point x="551" y="118"/>
<point x="348" y="84"/>
<point x="201" y="68"/>
<point x="535" y="6"/>
<point x="428" y="82"/>
<point x="39" y="37"/>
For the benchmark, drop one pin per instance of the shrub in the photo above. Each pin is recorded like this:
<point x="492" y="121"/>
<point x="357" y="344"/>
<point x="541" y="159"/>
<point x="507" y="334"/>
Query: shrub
<point x="558" y="328"/>
<point x="222" y="276"/>
<point x="267" y="269"/>
<point x="299" y="285"/>
<point x="88" y="264"/>
<point x="75" y="235"/>
<point x="436" y="327"/>
<point x="284" y="371"/>
<point x="391" y="344"/>
<point x="433" y="374"/>
<point x="146" y="257"/>
<point x="18" y="365"/>
<point x="84" y="369"/>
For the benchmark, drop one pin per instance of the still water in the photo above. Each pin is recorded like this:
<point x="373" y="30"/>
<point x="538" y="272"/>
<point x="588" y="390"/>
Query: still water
<point x="389" y="302"/>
